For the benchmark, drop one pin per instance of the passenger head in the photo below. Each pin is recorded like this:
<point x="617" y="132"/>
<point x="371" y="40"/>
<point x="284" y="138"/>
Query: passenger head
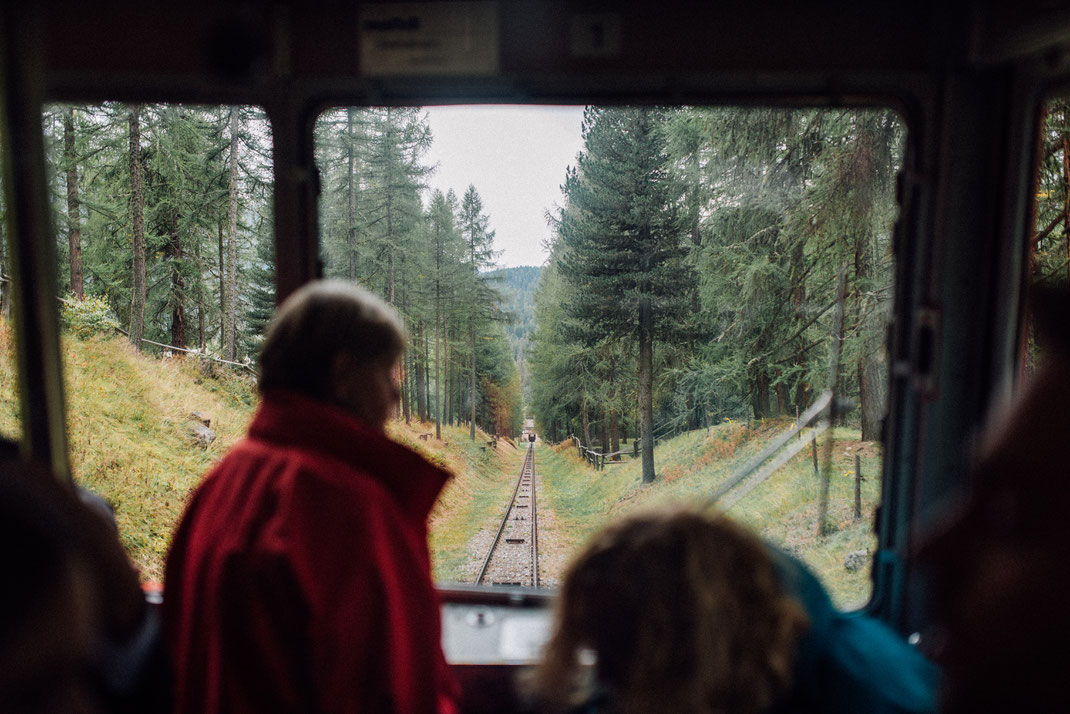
<point x="998" y="564"/>
<point x="680" y="611"/>
<point x="336" y="342"/>
<point x="49" y="613"/>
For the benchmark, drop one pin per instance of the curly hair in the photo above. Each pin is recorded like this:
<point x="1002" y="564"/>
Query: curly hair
<point x="683" y="612"/>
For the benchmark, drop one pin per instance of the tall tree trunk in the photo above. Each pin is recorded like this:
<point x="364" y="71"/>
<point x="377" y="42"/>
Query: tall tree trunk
<point x="137" y="226"/>
<point x="472" y="381"/>
<point x="646" y="387"/>
<point x="406" y="388"/>
<point x="438" y="385"/>
<point x="406" y="407"/>
<point x="586" y="425"/>
<point x="760" y="391"/>
<point x="798" y="301"/>
<point x="201" y="306"/>
<point x="5" y="286"/>
<point x="230" y="303"/>
<point x="427" y="374"/>
<point x="222" y="280"/>
<point x="178" y="282"/>
<point x="614" y="426"/>
<point x="421" y="395"/>
<point x="351" y="194"/>
<point x="783" y="402"/>
<point x="447" y="358"/>
<point x="390" y="248"/>
<point x="872" y="392"/>
<point x="1066" y="193"/>
<point x="823" y="526"/>
<point x="438" y="334"/>
<point x="74" y="223"/>
<point x="872" y="388"/>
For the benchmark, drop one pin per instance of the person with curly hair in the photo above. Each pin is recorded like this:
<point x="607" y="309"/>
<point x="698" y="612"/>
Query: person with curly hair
<point x="679" y="610"/>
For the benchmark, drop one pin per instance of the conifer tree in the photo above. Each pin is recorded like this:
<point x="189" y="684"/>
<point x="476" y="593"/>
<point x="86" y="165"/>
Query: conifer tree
<point x="480" y="255"/>
<point x="625" y="256"/>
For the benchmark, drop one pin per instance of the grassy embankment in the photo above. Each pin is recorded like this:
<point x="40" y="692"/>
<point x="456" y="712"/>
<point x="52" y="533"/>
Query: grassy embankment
<point x="691" y="466"/>
<point x="128" y="415"/>
<point x="127" y="424"/>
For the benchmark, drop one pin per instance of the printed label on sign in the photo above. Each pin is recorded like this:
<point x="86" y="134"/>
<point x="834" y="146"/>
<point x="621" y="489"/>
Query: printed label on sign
<point x="429" y="38"/>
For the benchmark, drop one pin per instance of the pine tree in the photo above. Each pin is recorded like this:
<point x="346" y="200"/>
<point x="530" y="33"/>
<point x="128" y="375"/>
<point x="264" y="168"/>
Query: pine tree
<point x="624" y="255"/>
<point x="399" y="139"/>
<point x="480" y="255"/>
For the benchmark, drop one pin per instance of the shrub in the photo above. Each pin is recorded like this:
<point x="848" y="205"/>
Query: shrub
<point x="88" y="317"/>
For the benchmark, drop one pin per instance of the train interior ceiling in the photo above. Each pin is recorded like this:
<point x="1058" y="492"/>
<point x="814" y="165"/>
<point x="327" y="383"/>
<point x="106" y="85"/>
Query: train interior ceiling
<point x="968" y="79"/>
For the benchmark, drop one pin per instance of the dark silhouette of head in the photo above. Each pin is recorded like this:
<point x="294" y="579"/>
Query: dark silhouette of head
<point x="998" y="564"/>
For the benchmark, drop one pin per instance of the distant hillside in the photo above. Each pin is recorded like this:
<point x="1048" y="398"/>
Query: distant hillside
<point x="517" y="287"/>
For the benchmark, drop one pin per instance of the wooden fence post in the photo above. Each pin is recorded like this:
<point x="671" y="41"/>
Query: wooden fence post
<point x="813" y="452"/>
<point x="858" y="486"/>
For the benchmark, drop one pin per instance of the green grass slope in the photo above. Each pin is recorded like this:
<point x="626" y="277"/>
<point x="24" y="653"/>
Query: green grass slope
<point x="128" y="420"/>
<point x="128" y="429"/>
<point x="690" y="467"/>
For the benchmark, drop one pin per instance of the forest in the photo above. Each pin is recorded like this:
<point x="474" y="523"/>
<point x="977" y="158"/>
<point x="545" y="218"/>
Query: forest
<point x="723" y="264"/>
<point x="164" y="231"/>
<point x="517" y="288"/>
<point x="703" y="262"/>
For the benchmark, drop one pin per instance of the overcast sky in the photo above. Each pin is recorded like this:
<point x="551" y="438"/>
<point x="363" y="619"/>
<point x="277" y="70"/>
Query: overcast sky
<point x="516" y="157"/>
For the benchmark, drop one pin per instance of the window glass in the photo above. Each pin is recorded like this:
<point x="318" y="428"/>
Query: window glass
<point x="10" y="419"/>
<point x="582" y="276"/>
<point x="164" y="237"/>
<point x="1049" y="248"/>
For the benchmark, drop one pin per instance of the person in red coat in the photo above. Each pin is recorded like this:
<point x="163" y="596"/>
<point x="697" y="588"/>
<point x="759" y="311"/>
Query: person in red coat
<point x="299" y="578"/>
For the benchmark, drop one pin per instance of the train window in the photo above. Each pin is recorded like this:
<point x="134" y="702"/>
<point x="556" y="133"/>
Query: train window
<point x="579" y="278"/>
<point x="164" y="237"/>
<point x="10" y="426"/>
<point x="1049" y="247"/>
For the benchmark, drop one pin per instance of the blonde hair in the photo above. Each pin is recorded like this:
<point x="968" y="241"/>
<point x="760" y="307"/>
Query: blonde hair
<point x="320" y="320"/>
<point x="683" y="612"/>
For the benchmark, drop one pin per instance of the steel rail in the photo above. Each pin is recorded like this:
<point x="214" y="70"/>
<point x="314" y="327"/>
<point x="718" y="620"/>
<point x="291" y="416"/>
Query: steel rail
<point x="534" y="523"/>
<point x="505" y="519"/>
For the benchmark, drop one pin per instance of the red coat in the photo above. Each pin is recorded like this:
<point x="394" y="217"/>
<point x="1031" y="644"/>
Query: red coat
<point x="299" y="579"/>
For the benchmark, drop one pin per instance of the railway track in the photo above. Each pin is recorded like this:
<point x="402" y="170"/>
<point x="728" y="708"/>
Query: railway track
<point x="513" y="558"/>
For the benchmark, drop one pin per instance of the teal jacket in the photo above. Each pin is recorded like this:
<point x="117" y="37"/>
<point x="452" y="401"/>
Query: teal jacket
<point x="847" y="663"/>
<point x="851" y="662"/>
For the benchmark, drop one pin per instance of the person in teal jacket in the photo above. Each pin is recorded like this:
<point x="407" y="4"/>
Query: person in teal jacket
<point x="849" y="662"/>
<point x="682" y="611"/>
